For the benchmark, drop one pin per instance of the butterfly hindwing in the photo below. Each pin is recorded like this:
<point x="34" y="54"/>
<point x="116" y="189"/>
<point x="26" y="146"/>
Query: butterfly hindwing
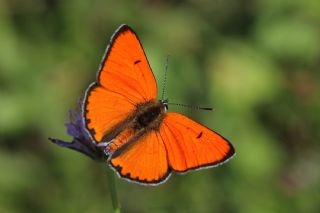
<point x="124" y="80"/>
<point x="191" y="146"/>
<point x="144" y="161"/>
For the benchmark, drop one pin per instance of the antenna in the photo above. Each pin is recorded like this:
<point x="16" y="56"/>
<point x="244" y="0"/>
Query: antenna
<point x="164" y="90"/>
<point x="192" y="107"/>
<point x="165" y="77"/>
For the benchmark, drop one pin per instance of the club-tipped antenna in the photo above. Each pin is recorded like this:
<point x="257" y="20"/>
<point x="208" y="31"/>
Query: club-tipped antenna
<point x="164" y="84"/>
<point x="164" y="90"/>
<point x="192" y="107"/>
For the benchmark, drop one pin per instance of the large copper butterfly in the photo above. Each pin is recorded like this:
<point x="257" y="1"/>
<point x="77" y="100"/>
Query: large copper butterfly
<point x="145" y="143"/>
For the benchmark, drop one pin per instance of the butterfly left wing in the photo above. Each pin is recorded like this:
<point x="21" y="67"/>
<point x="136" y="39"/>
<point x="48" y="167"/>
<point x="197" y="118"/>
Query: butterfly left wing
<point x="124" y="80"/>
<point x="191" y="145"/>
<point x="125" y="68"/>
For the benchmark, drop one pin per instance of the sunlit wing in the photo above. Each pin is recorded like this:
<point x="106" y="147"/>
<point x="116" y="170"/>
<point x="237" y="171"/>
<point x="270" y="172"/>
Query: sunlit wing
<point x="191" y="146"/>
<point x="144" y="161"/>
<point x="124" y="80"/>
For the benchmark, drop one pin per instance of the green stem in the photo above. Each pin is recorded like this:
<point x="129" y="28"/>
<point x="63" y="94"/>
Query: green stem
<point x="113" y="191"/>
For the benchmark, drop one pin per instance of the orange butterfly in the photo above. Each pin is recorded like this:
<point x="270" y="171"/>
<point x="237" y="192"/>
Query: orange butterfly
<point x="145" y="143"/>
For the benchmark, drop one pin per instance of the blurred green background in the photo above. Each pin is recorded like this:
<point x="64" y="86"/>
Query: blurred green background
<point x="256" y="63"/>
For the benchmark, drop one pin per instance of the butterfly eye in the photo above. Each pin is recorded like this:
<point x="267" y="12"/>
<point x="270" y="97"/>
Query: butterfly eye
<point x="164" y="103"/>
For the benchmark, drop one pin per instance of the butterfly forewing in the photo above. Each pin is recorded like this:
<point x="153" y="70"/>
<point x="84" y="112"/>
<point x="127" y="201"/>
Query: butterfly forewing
<point x="191" y="145"/>
<point x="126" y="70"/>
<point x="124" y="80"/>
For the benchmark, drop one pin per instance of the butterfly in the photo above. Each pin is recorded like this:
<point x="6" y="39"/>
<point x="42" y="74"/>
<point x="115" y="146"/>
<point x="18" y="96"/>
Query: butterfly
<point x="143" y="141"/>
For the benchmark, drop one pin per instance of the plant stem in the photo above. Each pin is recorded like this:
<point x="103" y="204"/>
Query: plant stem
<point x="113" y="191"/>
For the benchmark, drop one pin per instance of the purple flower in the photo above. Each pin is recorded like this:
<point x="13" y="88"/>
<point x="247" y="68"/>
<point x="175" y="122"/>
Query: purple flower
<point x="81" y="141"/>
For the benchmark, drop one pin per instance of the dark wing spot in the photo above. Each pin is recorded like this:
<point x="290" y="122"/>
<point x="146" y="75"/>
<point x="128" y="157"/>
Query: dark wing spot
<point x="199" y="136"/>
<point x="137" y="61"/>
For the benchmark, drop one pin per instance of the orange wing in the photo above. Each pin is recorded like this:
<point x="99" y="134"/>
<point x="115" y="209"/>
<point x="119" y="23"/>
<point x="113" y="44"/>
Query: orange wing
<point x="124" y="80"/>
<point x="192" y="146"/>
<point x="144" y="161"/>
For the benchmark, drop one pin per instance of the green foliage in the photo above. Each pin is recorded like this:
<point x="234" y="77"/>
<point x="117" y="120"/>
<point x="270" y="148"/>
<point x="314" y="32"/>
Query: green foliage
<point x="255" y="62"/>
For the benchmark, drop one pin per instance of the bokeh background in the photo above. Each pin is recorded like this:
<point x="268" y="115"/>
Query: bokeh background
<point x="256" y="62"/>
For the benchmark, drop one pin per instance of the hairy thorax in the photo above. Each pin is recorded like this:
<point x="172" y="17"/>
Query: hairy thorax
<point x="149" y="115"/>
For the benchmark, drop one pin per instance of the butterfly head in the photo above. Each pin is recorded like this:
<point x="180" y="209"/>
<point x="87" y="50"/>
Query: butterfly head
<point x="165" y="103"/>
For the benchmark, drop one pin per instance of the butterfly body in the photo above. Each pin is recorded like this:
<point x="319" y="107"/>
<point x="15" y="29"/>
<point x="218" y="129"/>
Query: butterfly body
<point x="144" y="142"/>
<point x="146" y="117"/>
<point x="149" y="115"/>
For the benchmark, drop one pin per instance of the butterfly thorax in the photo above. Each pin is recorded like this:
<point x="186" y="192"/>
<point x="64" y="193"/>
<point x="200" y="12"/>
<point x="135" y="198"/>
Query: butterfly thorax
<point x="149" y="115"/>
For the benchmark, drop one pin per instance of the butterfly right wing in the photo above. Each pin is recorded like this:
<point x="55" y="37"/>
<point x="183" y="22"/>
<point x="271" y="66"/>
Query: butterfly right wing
<point x="124" y="80"/>
<point x="192" y="146"/>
